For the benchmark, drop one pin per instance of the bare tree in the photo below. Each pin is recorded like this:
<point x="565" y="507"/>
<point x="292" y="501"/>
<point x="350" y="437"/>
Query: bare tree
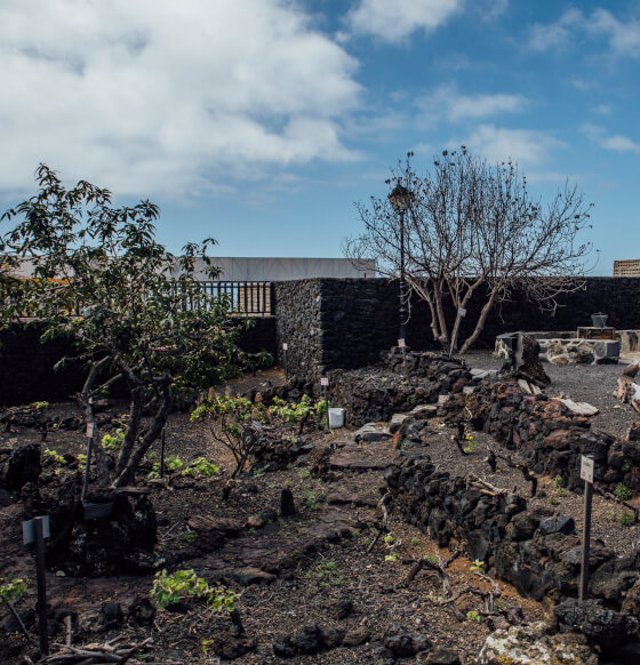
<point x="473" y="230"/>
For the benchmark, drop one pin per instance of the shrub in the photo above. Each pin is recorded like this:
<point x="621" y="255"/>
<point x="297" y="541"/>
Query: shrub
<point x="113" y="441"/>
<point x="229" y="419"/>
<point x="622" y="492"/>
<point x="13" y="590"/>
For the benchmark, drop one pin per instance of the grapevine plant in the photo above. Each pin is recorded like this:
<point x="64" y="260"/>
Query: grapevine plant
<point x="183" y="585"/>
<point x="229" y="420"/>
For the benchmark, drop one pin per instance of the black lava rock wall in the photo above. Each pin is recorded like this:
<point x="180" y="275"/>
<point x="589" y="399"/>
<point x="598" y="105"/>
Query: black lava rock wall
<point x="346" y="323"/>
<point x="26" y="363"/>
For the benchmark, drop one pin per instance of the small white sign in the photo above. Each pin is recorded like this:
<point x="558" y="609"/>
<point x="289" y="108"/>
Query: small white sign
<point x="586" y="468"/>
<point x="443" y="398"/>
<point x="402" y="343"/>
<point x="285" y="346"/>
<point x="324" y="381"/>
<point x="462" y="312"/>
<point x="91" y="430"/>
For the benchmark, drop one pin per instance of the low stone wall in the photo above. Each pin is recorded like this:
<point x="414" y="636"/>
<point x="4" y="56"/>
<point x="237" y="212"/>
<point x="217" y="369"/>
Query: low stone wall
<point x="564" y="348"/>
<point x="550" y="436"/>
<point x="399" y="383"/>
<point x="539" y="554"/>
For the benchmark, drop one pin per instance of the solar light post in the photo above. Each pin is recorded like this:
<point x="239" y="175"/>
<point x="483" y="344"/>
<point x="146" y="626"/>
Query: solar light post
<point x="400" y="199"/>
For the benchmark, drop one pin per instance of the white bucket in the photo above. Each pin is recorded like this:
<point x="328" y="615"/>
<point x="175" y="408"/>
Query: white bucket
<point x="336" y="418"/>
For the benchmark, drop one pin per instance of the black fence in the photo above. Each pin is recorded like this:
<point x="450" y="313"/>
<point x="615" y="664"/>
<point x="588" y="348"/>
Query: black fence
<point x="250" y="299"/>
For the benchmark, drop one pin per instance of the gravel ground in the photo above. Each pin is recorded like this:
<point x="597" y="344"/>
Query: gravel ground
<point x="583" y="383"/>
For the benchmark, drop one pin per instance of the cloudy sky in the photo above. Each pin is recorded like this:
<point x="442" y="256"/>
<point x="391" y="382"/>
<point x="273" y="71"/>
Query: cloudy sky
<point x="261" y="122"/>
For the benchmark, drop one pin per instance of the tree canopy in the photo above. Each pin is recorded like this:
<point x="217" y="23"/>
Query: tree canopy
<point x="472" y="230"/>
<point x="98" y="273"/>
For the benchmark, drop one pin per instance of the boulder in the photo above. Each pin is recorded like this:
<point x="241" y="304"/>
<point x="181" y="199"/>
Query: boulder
<point x="527" y="363"/>
<point x="402" y="643"/>
<point x="526" y="645"/>
<point x="371" y="432"/>
<point x="601" y="625"/>
<point x="22" y="467"/>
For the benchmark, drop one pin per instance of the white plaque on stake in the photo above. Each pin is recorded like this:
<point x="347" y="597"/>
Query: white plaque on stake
<point x="402" y="343"/>
<point x="586" y="468"/>
<point x="324" y="381"/>
<point x="91" y="430"/>
<point x="285" y="346"/>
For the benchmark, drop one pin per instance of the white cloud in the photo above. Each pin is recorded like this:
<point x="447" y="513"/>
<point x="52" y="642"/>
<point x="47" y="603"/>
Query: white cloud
<point x="556" y="36"/>
<point x="393" y="21"/>
<point x="531" y="149"/>
<point x="447" y="103"/>
<point x="494" y="9"/>
<point x="614" y="142"/>
<point x="162" y="96"/>
<point x="623" y="36"/>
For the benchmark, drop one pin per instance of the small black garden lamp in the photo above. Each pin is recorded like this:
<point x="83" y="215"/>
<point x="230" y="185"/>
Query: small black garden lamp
<point x="400" y="198"/>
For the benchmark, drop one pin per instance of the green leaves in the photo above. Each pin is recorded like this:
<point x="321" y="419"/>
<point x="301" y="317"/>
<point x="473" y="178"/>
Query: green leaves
<point x="185" y="585"/>
<point x="13" y="590"/>
<point x="113" y="441"/>
<point x="98" y="273"/>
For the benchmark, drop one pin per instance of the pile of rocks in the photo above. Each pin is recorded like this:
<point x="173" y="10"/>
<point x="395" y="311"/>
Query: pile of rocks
<point x="402" y="380"/>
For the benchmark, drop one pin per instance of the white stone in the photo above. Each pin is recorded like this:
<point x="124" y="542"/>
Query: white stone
<point x="528" y="645"/>
<point x="579" y="408"/>
<point x="424" y="410"/>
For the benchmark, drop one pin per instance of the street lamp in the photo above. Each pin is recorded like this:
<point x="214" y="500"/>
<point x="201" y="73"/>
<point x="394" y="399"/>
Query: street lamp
<point x="400" y="198"/>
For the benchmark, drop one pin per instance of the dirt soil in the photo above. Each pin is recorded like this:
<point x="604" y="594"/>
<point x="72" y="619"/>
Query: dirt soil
<point x="329" y="565"/>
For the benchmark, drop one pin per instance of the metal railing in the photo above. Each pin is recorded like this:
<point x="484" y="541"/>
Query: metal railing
<point x="251" y="299"/>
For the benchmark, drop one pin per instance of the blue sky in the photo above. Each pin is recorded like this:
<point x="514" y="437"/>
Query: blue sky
<point x="261" y="122"/>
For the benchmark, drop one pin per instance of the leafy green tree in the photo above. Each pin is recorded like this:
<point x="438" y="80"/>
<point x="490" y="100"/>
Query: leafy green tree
<point x="98" y="273"/>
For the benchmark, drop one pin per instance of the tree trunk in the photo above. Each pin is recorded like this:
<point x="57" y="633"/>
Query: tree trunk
<point x="159" y="421"/>
<point x="442" y="321"/>
<point x="86" y="401"/>
<point x="135" y="415"/>
<point x="482" y="319"/>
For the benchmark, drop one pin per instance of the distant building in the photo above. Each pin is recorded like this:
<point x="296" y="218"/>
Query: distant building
<point x="270" y="269"/>
<point x="626" y="268"/>
<point x="247" y="283"/>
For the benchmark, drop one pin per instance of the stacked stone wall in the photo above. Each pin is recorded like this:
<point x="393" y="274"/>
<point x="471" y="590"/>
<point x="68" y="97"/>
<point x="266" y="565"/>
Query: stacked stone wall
<point x="346" y="323"/>
<point x="539" y="554"/>
<point x="298" y="306"/>
<point x="549" y="435"/>
<point x="27" y="367"/>
<point x="27" y="364"/>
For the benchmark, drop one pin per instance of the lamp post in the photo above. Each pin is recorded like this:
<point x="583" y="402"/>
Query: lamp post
<point x="400" y="199"/>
